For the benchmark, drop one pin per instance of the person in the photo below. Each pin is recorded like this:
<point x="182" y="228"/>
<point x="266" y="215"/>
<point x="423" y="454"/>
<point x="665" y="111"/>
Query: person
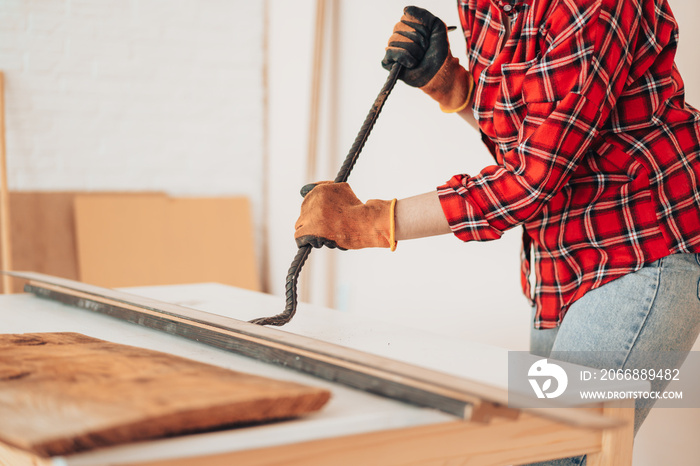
<point x="596" y="156"/>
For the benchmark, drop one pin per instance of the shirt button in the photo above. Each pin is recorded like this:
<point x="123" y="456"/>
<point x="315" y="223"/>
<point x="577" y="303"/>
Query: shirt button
<point x="507" y="8"/>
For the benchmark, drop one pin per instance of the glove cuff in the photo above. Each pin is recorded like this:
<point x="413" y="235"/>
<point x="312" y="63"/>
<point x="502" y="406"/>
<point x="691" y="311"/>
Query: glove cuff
<point x="383" y="228"/>
<point x="451" y="87"/>
<point x="392" y="226"/>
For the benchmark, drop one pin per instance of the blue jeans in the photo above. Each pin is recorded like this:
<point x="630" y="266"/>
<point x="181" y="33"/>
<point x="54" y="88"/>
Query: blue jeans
<point x="639" y="318"/>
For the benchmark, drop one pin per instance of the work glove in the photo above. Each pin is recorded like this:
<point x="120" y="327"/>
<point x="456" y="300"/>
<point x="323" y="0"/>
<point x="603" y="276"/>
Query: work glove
<point x="332" y="216"/>
<point x="420" y="44"/>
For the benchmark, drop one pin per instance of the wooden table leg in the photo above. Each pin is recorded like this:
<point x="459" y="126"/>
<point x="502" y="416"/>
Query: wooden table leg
<point x="616" y="448"/>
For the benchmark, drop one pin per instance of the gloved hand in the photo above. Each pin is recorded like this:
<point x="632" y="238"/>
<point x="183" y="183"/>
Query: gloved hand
<point x="332" y="216"/>
<point x="420" y="44"/>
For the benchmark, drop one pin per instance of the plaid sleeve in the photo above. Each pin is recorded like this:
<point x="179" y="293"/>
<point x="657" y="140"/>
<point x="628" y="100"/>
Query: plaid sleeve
<point x="565" y="96"/>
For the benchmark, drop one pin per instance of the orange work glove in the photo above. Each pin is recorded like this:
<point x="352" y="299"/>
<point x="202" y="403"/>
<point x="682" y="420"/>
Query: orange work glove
<point x="420" y="44"/>
<point x="332" y="216"/>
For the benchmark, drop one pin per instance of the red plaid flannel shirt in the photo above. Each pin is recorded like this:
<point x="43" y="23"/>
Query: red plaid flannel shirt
<point x="597" y="153"/>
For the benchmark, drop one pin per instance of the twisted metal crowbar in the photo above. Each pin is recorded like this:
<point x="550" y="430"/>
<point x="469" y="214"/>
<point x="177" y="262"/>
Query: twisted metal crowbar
<point x="290" y="307"/>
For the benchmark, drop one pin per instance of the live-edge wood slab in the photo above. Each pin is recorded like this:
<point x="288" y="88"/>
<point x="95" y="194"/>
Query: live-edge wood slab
<point x="61" y="393"/>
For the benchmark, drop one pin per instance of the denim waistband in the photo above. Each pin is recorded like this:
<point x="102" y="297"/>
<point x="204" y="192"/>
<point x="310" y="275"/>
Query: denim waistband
<point x="691" y="257"/>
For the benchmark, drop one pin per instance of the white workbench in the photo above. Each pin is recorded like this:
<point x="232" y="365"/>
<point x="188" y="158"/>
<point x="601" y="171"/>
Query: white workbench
<point x="350" y="412"/>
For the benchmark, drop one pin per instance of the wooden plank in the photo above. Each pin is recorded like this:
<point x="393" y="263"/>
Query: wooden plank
<point x="617" y="443"/>
<point x="5" y="236"/>
<point x="16" y="457"/>
<point x="65" y="392"/>
<point x="42" y="225"/>
<point x="413" y="384"/>
<point x="43" y="231"/>
<point x="173" y="240"/>
<point x="502" y="442"/>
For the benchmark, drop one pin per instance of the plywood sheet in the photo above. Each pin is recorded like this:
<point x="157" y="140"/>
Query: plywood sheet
<point x="65" y="392"/>
<point x="147" y="240"/>
<point x="42" y="229"/>
<point x="42" y="233"/>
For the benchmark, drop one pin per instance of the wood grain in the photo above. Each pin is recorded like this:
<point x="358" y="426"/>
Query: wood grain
<point x="62" y="393"/>
<point x="173" y="240"/>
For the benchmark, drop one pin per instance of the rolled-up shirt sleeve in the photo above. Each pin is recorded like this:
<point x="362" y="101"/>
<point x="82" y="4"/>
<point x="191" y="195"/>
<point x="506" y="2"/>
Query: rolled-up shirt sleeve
<point x="565" y="96"/>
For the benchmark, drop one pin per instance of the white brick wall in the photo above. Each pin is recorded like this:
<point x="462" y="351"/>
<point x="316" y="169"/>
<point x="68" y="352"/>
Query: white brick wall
<point x="134" y="95"/>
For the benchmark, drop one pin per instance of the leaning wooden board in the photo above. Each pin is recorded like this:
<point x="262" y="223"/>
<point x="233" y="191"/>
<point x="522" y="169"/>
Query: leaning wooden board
<point x="65" y="392"/>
